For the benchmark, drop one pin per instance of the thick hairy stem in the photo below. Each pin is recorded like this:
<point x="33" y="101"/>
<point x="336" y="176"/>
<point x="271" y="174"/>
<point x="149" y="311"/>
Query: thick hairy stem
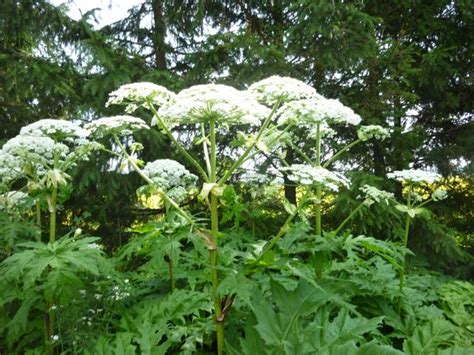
<point x="348" y="218"/>
<point x="245" y="154"/>
<point x="339" y="153"/>
<point x="150" y="182"/>
<point x="405" y="244"/>
<point x="269" y="246"/>
<point x="181" y="149"/>
<point x="213" y="251"/>
<point x="319" y="194"/>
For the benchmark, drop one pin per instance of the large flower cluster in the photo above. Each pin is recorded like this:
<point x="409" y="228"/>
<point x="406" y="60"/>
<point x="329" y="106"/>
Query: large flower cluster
<point x="275" y="89"/>
<point x="414" y="176"/>
<point x="225" y="104"/>
<point x="316" y="175"/>
<point x="138" y="94"/>
<point x="313" y="111"/>
<point x="119" y="125"/>
<point x="172" y="177"/>
<point x="373" y="195"/>
<point x="372" y="131"/>
<point x="58" y="130"/>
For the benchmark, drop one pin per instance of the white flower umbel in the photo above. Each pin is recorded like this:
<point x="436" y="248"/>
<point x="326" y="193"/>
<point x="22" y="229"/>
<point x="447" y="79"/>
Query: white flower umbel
<point x="318" y="110"/>
<point x="316" y="175"/>
<point x="283" y="89"/>
<point x="365" y="133"/>
<point x="225" y="104"/>
<point x="118" y="125"/>
<point x="374" y="195"/>
<point x="439" y="195"/>
<point x="10" y="167"/>
<point x="58" y="130"/>
<point x="414" y="176"/>
<point x="138" y="94"/>
<point x="172" y="177"/>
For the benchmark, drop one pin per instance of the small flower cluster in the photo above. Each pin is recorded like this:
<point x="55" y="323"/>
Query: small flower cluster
<point x="374" y="195"/>
<point x="414" y="176"/>
<point x="119" y="293"/>
<point x="439" y="195"/>
<point x="316" y="175"/>
<point x="319" y="110"/>
<point x="12" y="200"/>
<point x="58" y="130"/>
<point x="121" y="125"/>
<point x="225" y="104"/>
<point x="172" y="177"/>
<point x="275" y="89"/>
<point x="138" y="94"/>
<point x="365" y="133"/>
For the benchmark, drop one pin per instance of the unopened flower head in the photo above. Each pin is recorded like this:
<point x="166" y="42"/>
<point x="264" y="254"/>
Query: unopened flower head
<point x="225" y="104"/>
<point x="120" y="125"/>
<point x="35" y="149"/>
<point x="372" y="131"/>
<point x="138" y="94"/>
<point x="275" y="89"/>
<point x="172" y="177"/>
<point x="58" y="130"/>
<point x="439" y="194"/>
<point x="316" y="175"/>
<point x="317" y="110"/>
<point x="373" y="194"/>
<point x="10" y="167"/>
<point x="414" y="176"/>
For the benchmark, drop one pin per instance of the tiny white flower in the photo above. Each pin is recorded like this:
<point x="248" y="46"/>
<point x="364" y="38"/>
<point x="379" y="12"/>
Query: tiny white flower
<point x="55" y="337"/>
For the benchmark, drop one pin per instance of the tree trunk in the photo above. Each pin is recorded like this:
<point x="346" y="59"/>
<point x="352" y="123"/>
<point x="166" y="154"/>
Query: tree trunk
<point x="159" y="34"/>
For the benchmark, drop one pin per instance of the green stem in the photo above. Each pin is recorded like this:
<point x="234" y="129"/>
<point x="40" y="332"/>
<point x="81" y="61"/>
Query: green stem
<point x="52" y="214"/>
<point x="38" y="213"/>
<point x="242" y="158"/>
<point x="269" y="246"/>
<point x="318" y="227"/>
<point x="181" y="149"/>
<point x="171" y="271"/>
<point x="150" y="182"/>
<point x="213" y="251"/>
<point x="205" y="150"/>
<point x="335" y="156"/>
<point x="348" y="218"/>
<point x="405" y="244"/>
<point x="303" y="154"/>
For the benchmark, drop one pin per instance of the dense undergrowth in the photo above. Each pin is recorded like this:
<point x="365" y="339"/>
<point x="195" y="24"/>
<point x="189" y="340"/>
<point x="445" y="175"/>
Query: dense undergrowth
<point x="227" y="264"/>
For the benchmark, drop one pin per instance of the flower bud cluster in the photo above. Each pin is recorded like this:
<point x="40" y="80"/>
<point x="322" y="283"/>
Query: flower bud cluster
<point x="374" y="195"/>
<point x="172" y="177"/>
<point x="365" y="133"/>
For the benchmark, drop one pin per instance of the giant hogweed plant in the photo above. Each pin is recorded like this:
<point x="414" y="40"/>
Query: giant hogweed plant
<point x="42" y="156"/>
<point x="275" y="105"/>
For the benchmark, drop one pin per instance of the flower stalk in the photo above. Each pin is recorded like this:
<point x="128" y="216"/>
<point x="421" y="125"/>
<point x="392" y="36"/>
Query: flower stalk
<point x="405" y="244"/>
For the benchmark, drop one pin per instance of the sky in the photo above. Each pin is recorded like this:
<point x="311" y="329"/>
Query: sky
<point x="110" y="10"/>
